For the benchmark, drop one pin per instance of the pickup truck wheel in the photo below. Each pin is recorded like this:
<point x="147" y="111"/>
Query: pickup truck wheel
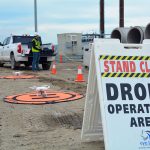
<point x="13" y="62"/>
<point x="46" y="66"/>
<point x="27" y="64"/>
<point x="1" y="64"/>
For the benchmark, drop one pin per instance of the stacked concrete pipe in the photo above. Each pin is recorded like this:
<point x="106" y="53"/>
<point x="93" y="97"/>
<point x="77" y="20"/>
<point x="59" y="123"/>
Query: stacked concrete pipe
<point x="147" y="32"/>
<point x="136" y="35"/>
<point x="120" y="33"/>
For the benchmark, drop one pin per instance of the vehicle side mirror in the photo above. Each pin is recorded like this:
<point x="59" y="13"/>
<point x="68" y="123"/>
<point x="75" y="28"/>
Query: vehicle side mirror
<point x="1" y="44"/>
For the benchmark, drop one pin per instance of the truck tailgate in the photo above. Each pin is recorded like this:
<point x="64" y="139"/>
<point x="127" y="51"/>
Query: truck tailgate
<point x="25" y="49"/>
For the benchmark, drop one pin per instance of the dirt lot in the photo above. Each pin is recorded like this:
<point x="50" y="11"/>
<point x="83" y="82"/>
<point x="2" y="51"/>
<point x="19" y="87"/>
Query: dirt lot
<point x="43" y="127"/>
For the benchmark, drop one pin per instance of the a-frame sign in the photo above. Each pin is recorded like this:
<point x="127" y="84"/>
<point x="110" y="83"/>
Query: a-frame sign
<point x="117" y="106"/>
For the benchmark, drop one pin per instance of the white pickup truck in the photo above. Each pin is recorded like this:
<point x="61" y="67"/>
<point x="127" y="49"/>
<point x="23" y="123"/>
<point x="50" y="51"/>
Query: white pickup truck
<point x="16" y="50"/>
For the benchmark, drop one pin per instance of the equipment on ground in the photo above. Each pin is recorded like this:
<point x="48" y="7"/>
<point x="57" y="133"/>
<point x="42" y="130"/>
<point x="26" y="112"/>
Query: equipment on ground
<point x="17" y="73"/>
<point x="41" y="90"/>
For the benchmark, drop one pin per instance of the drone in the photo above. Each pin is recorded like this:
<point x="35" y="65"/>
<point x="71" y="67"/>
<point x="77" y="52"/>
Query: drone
<point x="41" y="90"/>
<point x="17" y="73"/>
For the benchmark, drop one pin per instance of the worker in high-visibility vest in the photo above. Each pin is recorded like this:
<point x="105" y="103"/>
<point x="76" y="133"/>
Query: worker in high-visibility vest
<point x="36" y="49"/>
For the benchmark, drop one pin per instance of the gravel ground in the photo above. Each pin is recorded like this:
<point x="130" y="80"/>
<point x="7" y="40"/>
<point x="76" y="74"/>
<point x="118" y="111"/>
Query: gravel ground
<point x="43" y="127"/>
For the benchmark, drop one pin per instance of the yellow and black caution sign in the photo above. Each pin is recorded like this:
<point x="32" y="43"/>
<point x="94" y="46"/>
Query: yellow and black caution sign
<point x="108" y="57"/>
<point x="125" y="66"/>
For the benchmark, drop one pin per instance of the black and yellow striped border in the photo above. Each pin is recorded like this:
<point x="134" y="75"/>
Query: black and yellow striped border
<point x="108" y="57"/>
<point x="127" y="75"/>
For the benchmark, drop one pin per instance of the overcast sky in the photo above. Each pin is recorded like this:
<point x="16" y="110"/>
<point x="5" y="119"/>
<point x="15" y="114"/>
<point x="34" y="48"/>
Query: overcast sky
<point x="64" y="16"/>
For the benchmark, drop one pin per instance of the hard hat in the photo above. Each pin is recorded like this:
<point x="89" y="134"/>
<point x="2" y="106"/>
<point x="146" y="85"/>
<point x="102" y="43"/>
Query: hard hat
<point x="36" y="34"/>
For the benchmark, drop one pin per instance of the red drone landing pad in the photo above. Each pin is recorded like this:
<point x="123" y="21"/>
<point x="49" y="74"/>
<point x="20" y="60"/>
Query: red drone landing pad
<point x="51" y="98"/>
<point x="18" y="77"/>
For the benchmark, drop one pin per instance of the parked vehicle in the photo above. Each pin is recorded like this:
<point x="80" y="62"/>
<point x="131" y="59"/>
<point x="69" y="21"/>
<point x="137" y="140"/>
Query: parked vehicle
<point x="16" y="50"/>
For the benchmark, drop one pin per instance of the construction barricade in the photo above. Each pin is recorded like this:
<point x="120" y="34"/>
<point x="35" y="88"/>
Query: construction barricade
<point x="117" y="105"/>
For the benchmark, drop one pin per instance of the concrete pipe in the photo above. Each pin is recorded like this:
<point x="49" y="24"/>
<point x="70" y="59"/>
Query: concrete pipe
<point x="136" y="35"/>
<point x="147" y="32"/>
<point x="120" y="33"/>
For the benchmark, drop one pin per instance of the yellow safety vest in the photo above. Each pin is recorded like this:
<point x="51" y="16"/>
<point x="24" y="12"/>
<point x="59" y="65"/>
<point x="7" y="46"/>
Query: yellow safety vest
<point x="37" y="44"/>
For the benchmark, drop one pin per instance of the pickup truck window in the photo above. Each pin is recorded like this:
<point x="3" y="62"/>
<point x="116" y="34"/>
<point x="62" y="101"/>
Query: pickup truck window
<point x="5" y="41"/>
<point x="23" y="39"/>
<point x="8" y="40"/>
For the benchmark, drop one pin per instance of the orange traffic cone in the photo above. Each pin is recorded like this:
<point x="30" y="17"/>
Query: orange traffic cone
<point x="79" y="77"/>
<point x="54" y="71"/>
